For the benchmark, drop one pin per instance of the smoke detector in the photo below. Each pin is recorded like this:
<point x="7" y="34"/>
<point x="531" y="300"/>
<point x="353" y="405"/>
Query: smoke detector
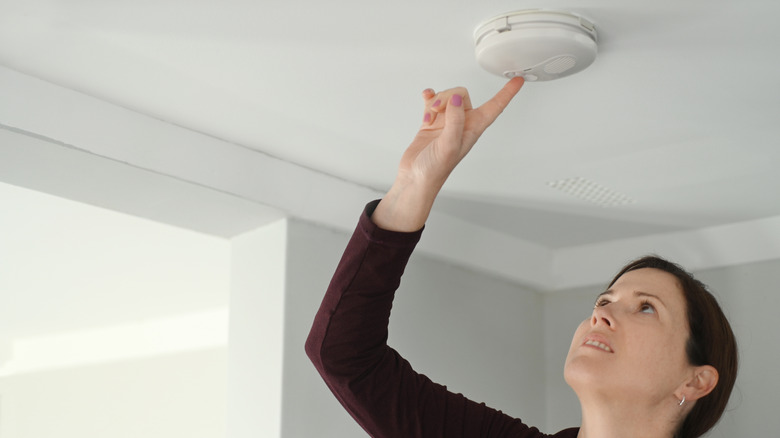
<point x="538" y="45"/>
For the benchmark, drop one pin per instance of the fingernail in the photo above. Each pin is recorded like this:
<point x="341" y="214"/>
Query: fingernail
<point x="457" y="100"/>
<point x="427" y="117"/>
<point x="437" y="103"/>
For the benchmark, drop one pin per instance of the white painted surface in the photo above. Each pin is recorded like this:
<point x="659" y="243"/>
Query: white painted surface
<point x="257" y="293"/>
<point x="112" y="325"/>
<point x="711" y="247"/>
<point x="164" y="396"/>
<point x="68" y="266"/>
<point x="84" y="347"/>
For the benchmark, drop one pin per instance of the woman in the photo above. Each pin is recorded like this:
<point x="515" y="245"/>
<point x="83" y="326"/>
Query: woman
<point x="657" y="358"/>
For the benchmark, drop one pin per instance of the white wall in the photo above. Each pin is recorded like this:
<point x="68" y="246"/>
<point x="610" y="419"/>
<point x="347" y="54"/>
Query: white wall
<point x="748" y="295"/>
<point x="110" y="325"/>
<point x="66" y="265"/>
<point x="479" y="335"/>
<point x="178" y="395"/>
<point x="257" y="294"/>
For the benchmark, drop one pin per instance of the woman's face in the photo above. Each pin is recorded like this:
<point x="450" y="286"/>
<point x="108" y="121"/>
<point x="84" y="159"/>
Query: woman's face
<point x="633" y="345"/>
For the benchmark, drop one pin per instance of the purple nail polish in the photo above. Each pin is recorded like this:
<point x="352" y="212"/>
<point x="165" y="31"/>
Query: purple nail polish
<point x="457" y="100"/>
<point x="427" y="117"/>
<point x="437" y="103"/>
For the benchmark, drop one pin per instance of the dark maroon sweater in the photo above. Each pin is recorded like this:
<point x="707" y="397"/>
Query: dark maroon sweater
<point x="378" y="387"/>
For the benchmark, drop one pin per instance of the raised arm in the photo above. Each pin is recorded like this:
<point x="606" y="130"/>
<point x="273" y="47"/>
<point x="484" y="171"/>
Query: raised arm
<point x="348" y="340"/>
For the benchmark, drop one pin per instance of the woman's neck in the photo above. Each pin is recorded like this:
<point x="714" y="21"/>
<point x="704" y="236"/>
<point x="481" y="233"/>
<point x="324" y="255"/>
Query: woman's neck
<point x="621" y="419"/>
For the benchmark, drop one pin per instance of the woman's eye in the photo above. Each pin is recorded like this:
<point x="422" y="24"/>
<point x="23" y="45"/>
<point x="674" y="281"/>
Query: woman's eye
<point x="602" y="303"/>
<point x="647" y="308"/>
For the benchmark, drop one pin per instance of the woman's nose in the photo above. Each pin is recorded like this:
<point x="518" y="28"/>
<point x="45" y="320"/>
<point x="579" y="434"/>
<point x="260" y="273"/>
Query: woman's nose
<point x="602" y="316"/>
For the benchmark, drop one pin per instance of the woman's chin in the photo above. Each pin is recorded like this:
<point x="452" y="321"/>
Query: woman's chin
<point x="582" y="371"/>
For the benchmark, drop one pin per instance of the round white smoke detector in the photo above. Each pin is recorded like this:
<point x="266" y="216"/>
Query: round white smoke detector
<point x="538" y="45"/>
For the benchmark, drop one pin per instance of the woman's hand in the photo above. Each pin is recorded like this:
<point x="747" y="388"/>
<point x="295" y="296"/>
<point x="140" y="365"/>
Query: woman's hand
<point x="450" y="129"/>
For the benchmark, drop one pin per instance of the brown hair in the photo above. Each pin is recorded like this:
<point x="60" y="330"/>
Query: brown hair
<point x="711" y="342"/>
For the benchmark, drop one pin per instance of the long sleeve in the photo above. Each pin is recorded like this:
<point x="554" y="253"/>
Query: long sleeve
<point x="378" y="387"/>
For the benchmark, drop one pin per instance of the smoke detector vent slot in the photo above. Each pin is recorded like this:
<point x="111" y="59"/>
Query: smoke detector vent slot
<point x="560" y="64"/>
<point x="591" y="192"/>
<point x="536" y="44"/>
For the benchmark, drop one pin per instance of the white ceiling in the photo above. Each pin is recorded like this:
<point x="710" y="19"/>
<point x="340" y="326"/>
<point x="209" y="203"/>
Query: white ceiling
<point x="245" y="112"/>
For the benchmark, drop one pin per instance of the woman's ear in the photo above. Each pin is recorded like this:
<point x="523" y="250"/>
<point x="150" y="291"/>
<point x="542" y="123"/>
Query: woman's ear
<point x="701" y="383"/>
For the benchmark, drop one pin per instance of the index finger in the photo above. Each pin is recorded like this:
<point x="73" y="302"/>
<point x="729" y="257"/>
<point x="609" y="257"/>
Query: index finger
<point x="496" y="105"/>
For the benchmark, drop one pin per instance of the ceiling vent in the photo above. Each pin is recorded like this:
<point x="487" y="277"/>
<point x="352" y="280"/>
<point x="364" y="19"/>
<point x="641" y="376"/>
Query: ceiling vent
<point x="538" y="45"/>
<point x="591" y="192"/>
